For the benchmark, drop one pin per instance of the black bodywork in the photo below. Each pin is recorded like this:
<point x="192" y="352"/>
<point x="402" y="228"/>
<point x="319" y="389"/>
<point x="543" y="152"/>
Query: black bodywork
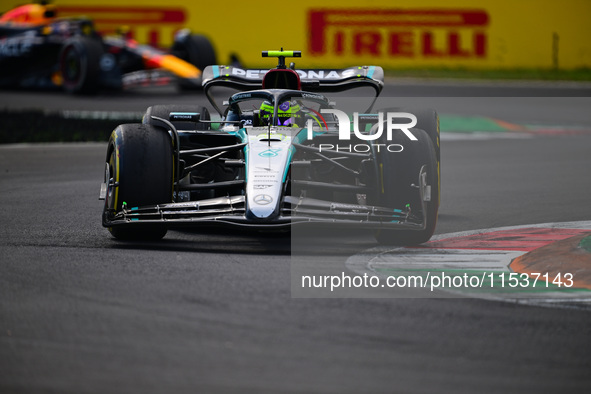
<point x="37" y="57"/>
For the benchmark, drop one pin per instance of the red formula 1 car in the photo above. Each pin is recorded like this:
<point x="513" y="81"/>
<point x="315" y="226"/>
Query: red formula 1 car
<point x="40" y="50"/>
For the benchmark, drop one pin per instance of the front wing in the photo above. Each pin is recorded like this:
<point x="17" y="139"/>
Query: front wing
<point x="231" y="211"/>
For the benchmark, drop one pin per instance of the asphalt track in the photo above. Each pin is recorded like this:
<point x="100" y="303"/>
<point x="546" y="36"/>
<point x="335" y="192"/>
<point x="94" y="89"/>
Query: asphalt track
<point x="211" y="311"/>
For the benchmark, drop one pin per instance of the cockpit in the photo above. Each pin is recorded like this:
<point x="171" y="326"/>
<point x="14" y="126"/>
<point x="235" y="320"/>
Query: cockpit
<point x="277" y="107"/>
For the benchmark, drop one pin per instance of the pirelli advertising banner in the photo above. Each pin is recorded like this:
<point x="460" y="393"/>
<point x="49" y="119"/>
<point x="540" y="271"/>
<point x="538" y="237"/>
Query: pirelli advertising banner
<point x="405" y="33"/>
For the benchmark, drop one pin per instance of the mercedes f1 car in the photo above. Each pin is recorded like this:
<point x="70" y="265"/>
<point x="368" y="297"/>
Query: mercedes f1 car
<point x="40" y="50"/>
<point x="280" y="154"/>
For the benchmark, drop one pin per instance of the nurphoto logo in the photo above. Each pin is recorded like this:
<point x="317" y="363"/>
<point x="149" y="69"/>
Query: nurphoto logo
<point x="344" y="125"/>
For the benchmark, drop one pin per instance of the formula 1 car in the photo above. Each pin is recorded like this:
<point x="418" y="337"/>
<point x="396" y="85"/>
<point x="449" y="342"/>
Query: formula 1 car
<point x="280" y="154"/>
<point x="40" y="50"/>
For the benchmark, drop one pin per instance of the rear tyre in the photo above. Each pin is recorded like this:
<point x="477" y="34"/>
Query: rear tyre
<point x="79" y="62"/>
<point x="163" y="111"/>
<point x="197" y="50"/>
<point x="397" y="172"/>
<point x="139" y="169"/>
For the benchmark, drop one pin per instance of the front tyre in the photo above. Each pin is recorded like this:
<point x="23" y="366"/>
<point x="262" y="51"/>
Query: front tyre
<point x="398" y="180"/>
<point x="139" y="172"/>
<point x="427" y="120"/>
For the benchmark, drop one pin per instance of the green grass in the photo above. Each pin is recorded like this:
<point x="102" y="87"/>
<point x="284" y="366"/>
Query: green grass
<point x="582" y="74"/>
<point x="586" y="243"/>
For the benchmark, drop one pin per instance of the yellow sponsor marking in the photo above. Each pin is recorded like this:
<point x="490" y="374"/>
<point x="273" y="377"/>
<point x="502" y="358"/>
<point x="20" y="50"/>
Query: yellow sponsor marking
<point x="129" y="16"/>
<point x="116" y="166"/>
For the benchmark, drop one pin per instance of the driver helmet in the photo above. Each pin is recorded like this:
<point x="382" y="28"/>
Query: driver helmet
<point x="288" y="113"/>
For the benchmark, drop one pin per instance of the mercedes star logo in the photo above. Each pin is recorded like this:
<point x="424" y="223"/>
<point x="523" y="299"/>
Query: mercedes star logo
<point x="263" y="199"/>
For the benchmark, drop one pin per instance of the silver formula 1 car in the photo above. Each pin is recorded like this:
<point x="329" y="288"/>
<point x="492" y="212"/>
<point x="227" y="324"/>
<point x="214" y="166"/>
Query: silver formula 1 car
<point x="279" y="153"/>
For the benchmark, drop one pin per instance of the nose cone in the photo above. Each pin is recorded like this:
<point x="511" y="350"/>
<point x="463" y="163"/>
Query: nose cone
<point x="263" y="206"/>
<point x="267" y="161"/>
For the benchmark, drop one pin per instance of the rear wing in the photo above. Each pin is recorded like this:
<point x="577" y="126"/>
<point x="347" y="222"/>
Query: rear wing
<point x="313" y="80"/>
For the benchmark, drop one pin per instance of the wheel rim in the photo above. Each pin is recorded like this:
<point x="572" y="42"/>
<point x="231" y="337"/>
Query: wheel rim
<point x="72" y="67"/>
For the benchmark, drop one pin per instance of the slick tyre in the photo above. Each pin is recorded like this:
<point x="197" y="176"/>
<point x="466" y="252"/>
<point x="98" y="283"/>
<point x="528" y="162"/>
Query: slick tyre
<point x="398" y="177"/>
<point x="197" y="50"/>
<point x="139" y="168"/>
<point x="79" y="62"/>
<point x="163" y="111"/>
<point x="427" y="120"/>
